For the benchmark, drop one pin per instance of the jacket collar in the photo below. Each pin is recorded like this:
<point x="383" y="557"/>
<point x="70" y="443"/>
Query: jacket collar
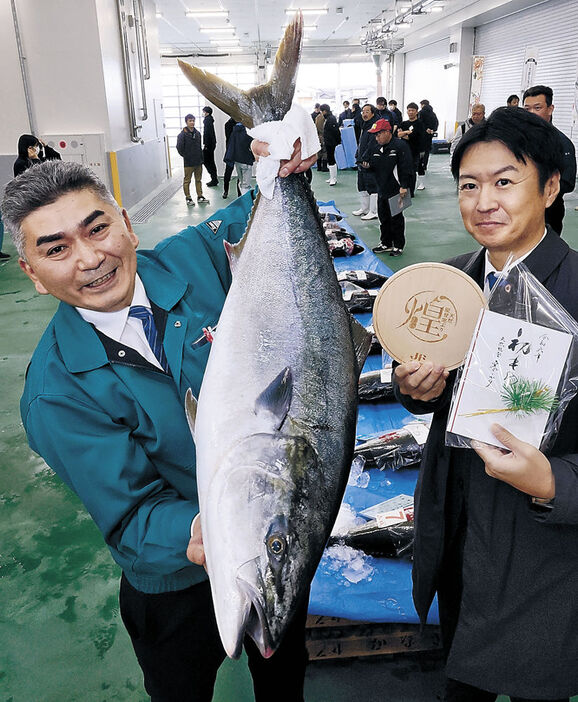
<point x="78" y="342"/>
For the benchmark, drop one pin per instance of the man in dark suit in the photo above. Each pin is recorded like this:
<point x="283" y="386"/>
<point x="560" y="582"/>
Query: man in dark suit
<point x="497" y="531"/>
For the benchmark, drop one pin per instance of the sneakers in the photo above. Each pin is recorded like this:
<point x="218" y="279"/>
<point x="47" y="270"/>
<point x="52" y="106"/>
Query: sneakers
<point x="420" y="186"/>
<point x="369" y="215"/>
<point x="225" y="194"/>
<point x="359" y="212"/>
<point x="396" y="252"/>
<point x="4" y="256"/>
<point x="190" y="203"/>
<point x="202" y="199"/>
<point x="382" y="249"/>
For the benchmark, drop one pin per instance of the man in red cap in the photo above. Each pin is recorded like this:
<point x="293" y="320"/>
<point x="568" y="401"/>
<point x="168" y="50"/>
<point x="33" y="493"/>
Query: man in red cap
<point x="391" y="152"/>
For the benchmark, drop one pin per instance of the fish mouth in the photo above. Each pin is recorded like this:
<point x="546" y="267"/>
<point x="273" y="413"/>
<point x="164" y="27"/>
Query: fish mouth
<point x="256" y="623"/>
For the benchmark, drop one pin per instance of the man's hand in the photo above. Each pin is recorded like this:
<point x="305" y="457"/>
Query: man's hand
<point x="195" y="549"/>
<point x="421" y="381"/>
<point x="524" y="467"/>
<point x="365" y="164"/>
<point x="294" y="165"/>
<point x="402" y="192"/>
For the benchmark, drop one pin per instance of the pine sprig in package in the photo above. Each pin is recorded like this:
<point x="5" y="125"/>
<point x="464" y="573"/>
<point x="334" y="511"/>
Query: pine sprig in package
<point x="521" y="370"/>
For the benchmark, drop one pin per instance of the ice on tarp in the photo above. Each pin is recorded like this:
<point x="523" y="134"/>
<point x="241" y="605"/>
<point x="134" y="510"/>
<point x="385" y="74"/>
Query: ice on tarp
<point x="358" y="477"/>
<point x="346" y="520"/>
<point x="351" y="564"/>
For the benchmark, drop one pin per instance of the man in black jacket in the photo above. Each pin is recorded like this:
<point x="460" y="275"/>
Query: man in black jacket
<point x="431" y="124"/>
<point x="209" y="145"/>
<point x="413" y="131"/>
<point x="391" y="153"/>
<point x="497" y="531"/>
<point x="538" y="99"/>
<point x="331" y="139"/>
<point x="346" y="114"/>
<point x="189" y="147"/>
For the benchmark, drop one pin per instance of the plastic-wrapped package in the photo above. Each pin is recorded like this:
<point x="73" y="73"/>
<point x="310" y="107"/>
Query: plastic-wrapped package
<point x="344" y="247"/>
<point x="365" y="279"/>
<point x="358" y="299"/>
<point x="395" y="449"/>
<point x="522" y="367"/>
<point x="376" y="385"/>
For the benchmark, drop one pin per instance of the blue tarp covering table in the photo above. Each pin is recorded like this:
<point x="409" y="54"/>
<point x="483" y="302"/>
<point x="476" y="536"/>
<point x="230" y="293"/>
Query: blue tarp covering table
<point x="384" y="593"/>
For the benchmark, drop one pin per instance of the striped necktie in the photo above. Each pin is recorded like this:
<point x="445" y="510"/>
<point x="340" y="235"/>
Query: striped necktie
<point x="151" y="333"/>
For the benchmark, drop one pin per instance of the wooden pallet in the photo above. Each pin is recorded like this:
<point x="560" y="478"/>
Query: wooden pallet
<point x="332" y="637"/>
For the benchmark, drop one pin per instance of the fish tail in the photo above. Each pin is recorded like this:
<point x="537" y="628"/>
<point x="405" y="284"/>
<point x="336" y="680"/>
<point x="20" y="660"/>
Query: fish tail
<point x="263" y="103"/>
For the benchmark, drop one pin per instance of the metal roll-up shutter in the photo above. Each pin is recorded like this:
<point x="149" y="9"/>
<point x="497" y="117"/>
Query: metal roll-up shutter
<point x="550" y="29"/>
<point x="426" y="78"/>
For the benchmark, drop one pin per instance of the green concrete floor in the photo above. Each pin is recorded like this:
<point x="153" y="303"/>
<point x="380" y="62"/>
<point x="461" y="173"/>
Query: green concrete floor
<point x="61" y="639"/>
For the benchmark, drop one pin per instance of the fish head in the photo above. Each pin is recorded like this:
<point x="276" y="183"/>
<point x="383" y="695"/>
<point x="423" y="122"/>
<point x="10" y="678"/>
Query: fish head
<point x="261" y="540"/>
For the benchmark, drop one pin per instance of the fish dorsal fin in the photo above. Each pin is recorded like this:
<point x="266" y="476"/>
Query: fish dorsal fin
<point x="275" y="400"/>
<point x="191" y="410"/>
<point x="263" y="103"/>
<point x="361" y="342"/>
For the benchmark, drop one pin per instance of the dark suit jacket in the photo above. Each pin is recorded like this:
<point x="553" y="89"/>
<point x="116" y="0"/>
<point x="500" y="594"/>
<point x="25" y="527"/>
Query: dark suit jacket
<point x="518" y="615"/>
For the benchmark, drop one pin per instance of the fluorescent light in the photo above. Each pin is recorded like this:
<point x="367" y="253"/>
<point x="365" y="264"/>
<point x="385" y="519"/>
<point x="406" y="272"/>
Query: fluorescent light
<point x="435" y="8"/>
<point x="207" y="13"/>
<point x="226" y="42"/>
<point x="306" y="27"/>
<point x="318" y="11"/>
<point x="217" y="30"/>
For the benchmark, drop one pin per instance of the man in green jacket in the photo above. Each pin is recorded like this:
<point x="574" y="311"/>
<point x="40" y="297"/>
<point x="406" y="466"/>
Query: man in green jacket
<point x="103" y="405"/>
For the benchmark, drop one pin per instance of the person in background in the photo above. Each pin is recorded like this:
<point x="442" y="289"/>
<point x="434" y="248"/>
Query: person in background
<point x="397" y="116"/>
<point x="538" y="99"/>
<point x="413" y="131"/>
<point x="346" y="114"/>
<point x="189" y="147"/>
<point x="513" y="101"/>
<point x="103" y="404"/>
<point x="331" y="139"/>
<point x="209" y="145"/>
<point x="478" y="116"/>
<point x="322" y="153"/>
<point x="431" y="124"/>
<point x="32" y="151"/>
<point x="390" y="155"/>
<point x="382" y="112"/>
<point x="3" y="256"/>
<point x="239" y="153"/>
<point x="229" y="167"/>
<point x="315" y="112"/>
<point x="496" y="530"/>
<point x="357" y="121"/>
<point x="366" y="182"/>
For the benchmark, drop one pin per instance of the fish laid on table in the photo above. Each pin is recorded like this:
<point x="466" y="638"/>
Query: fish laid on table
<point x="375" y="539"/>
<point x="395" y="449"/>
<point x="365" y="279"/>
<point x="275" y="421"/>
<point x="376" y="386"/>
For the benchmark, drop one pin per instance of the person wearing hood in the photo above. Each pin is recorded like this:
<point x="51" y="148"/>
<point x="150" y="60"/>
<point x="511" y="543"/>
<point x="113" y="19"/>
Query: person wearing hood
<point x="209" y="145"/>
<point x="331" y="139"/>
<point x="239" y="153"/>
<point x="366" y="182"/>
<point x="32" y="151"/>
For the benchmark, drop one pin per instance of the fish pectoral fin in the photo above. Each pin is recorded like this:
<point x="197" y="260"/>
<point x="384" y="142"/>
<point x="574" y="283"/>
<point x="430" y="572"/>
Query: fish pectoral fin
<point x="191" y="410"/>
<point x="276" y="398"/>
<point x="361" y="342"/>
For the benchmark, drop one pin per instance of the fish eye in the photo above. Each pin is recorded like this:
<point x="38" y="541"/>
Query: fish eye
<point x="276" y="545"/>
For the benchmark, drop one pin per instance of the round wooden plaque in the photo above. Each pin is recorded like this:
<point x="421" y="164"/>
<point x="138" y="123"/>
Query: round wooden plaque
<point x="427" y="312"/>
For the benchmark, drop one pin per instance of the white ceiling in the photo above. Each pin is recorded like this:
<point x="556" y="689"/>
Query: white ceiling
<point x="339" y="35"/>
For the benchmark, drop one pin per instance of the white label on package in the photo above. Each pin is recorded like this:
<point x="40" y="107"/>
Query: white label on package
<point x="386" y="373"/>
<point x="419" y="431"/>
<point x="396" y="516"/>
<point x="394" y="503"/>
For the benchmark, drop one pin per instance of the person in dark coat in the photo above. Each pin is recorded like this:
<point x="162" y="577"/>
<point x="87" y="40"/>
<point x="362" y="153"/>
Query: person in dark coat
<point x="356" y="116"/>
<point x="366" y="182"/>
<point x="346" y="114"/>
<point x="32" y="151"/>
<point x="431" y="124"/>
<point x="496" y="532"/>
<point x="331" y="139"/>
<point x="229" y="167"/>
<point x="239" y="153"/>
<point x="209" y="145"/>
<point x="390" y="154"/>
<point x="413" y="131"/>
<point x="189" y="147"/>
<point x="396" y="112"/>
<point x="538" y="99"/>
<point x="382" y="111"/>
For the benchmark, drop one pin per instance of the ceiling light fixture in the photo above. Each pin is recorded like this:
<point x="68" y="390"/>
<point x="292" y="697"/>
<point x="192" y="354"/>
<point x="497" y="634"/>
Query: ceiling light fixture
<point x="201" y="14"/>
<point x="226" y="42"/>
<point x="217" y="30"/>
<point x="318" y="11"/>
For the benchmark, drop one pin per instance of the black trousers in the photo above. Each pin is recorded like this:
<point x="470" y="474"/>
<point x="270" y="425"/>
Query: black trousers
<point x="330" y="155"/>
<point x="392" y="228"/>
<point x="209" y="163"/>
<point x="177" y="644"/>
<point x="460" y="692"/>
<point x="227" y="177"/>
